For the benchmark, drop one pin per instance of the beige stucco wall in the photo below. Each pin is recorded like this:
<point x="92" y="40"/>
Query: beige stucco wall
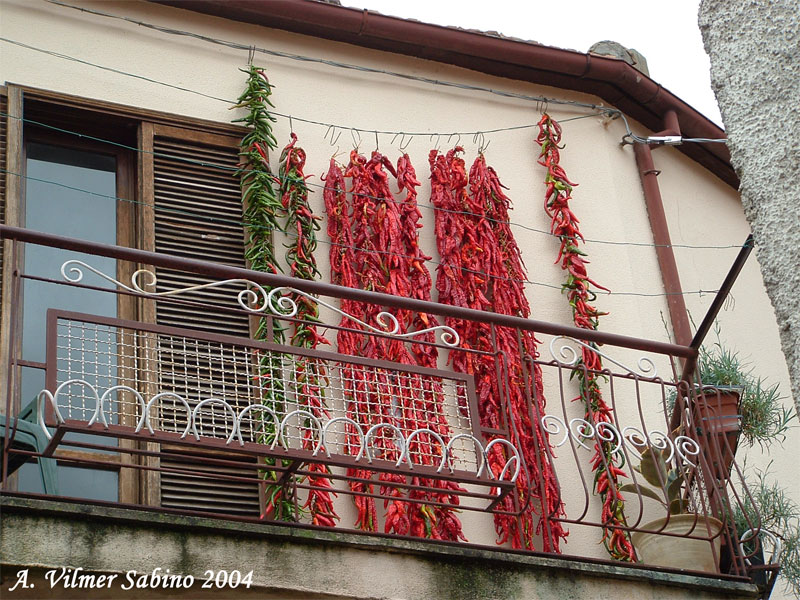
<point x="608" y="200"/>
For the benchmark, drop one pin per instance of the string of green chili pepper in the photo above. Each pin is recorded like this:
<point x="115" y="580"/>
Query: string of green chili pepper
<point x="263" y="212"/>
<point x="606" y="465"/>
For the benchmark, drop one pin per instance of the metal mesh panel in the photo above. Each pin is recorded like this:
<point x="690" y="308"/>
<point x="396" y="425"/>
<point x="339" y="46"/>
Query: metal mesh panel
<point x="240" y="375"/>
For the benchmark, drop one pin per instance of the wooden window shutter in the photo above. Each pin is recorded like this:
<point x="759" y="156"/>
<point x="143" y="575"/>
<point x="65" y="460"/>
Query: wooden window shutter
<point x="3" y="169"/>
<point x="10" y="186"/>
<point x="195" y="211"/>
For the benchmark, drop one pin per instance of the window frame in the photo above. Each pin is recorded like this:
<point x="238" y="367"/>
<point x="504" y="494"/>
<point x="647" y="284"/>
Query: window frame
<point x="135" y="223"/>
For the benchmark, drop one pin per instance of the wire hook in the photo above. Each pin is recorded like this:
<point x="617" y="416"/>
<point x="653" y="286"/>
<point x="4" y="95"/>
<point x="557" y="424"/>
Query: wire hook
<point x="332" y="129"/>
<point x="291" y="125"/>
<point x="458" y="138"/>
<point x="251" y="53"/>
<point x="377" y="146"/>
<point x="403" y="143"/>
<point x="353" y="132"/>
<point x="436" y="147"/>
<point x="480" y="139"/>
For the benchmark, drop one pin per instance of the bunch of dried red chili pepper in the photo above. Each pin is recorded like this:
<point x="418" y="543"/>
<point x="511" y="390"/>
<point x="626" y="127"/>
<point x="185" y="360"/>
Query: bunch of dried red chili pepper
<point x="424" y="410"/>
<point x="481" y="268"/>
<point x="343" y="272"/>
<point x="605" y="463"/>
<point x="379" y="235"/>
<point x="302" y="225"/>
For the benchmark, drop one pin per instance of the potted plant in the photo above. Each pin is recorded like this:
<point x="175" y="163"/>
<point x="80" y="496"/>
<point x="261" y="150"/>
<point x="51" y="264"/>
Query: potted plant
<point x="773" y="511"/>
<point x="732" y="403"/>
<point x="762" y="419"/>
<point x="691" y="545"/>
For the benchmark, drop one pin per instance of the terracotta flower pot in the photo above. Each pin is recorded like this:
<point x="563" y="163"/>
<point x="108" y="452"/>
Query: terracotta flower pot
<point x="716" y="413"/>
<point x="680" y="552"/>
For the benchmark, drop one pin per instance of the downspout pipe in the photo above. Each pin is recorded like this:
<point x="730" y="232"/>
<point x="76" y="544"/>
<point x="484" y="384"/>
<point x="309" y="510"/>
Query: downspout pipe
<point x="664" y="253"/>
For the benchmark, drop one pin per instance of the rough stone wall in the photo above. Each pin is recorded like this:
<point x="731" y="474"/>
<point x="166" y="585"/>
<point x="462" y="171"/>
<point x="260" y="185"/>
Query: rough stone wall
<point x="754" y="46"/>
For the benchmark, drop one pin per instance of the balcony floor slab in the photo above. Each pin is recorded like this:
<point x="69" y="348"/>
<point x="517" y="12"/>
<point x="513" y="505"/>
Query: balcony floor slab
<point x="292" y="562"/>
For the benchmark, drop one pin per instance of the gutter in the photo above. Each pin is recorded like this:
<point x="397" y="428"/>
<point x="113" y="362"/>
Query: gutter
<point x="615" y="81"/>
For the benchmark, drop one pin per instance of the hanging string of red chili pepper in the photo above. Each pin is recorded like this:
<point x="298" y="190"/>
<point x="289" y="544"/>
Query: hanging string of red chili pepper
<point x="607" y="465"/>
<point x="460" y="241"/>
<point x="389" y="399"/>
<point x="469" y="245"/>
<point x="424" y="410"/>
<point x="507" y="293"/>
<point x="363" y="389"/>
<point x="263" y="213"/>
<point x="309" y="373"/>
<point x="343" y="272"/>
<point x="380" y="228"/>
<point x="378" y="221"/>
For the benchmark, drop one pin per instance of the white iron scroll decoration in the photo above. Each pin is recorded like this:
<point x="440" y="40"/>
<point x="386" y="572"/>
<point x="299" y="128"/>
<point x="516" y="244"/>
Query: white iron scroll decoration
<point x="323" y="427"/>
<point x="255" y="299"/>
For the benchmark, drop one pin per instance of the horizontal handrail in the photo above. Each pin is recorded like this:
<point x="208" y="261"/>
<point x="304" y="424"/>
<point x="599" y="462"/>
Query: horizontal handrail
<point x="328" y="289"/>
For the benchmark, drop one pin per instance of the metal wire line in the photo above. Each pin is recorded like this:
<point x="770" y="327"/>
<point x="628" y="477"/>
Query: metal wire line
<point x="330" y="126"/>
<point x="299" y="57"/>
<point x="333" y="63"/>
<point x="331" y="243"/>
<point x="324" y="187"/>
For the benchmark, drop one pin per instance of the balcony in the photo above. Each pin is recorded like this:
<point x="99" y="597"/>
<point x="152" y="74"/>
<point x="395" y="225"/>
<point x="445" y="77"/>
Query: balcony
<point x="163" y="393"/>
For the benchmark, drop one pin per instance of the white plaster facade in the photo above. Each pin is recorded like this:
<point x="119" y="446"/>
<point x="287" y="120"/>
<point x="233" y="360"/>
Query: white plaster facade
<point x="701" y="209"/>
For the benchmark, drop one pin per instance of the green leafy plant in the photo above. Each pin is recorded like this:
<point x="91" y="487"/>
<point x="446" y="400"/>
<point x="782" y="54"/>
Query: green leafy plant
<point x="667" y="481"/>
<point x="778" y="514"/>
<point x="764" y="418"/>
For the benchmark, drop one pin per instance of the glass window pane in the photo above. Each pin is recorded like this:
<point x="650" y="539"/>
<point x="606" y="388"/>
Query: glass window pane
<point x="71" y="193"/>
<point x="93" y="484"/>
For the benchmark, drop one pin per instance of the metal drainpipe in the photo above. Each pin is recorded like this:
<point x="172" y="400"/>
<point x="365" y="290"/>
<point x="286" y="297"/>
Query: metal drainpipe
<point x="658" y="224"/>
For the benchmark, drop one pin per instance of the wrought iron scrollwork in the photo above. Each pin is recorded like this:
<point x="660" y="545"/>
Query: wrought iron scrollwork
<point x="401" y="441"/>
<point x="567" y="356"/>
<point x="631" y="438"/>
<point x="254" y="298"/>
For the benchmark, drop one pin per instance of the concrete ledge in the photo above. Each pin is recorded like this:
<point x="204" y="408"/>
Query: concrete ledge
<point x="292" y="562"/>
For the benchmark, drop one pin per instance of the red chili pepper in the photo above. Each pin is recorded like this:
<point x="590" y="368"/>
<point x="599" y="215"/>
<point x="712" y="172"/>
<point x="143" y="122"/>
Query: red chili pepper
<point x="565" y="224"/>
<point x="294" y="199"/>
<point x="375" y="247"/>
<point x="481" y="268"/>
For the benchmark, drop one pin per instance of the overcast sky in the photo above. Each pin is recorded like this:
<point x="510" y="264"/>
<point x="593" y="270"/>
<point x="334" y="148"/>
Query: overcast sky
<point x="664" y="31"/>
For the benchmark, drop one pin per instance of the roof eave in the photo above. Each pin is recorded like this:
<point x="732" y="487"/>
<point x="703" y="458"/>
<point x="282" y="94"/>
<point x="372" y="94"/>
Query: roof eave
<point x="615" y="81"/>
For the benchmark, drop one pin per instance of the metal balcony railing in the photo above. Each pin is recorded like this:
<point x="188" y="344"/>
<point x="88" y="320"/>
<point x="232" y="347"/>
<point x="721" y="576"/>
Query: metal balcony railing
<point x="217" y="411"/>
